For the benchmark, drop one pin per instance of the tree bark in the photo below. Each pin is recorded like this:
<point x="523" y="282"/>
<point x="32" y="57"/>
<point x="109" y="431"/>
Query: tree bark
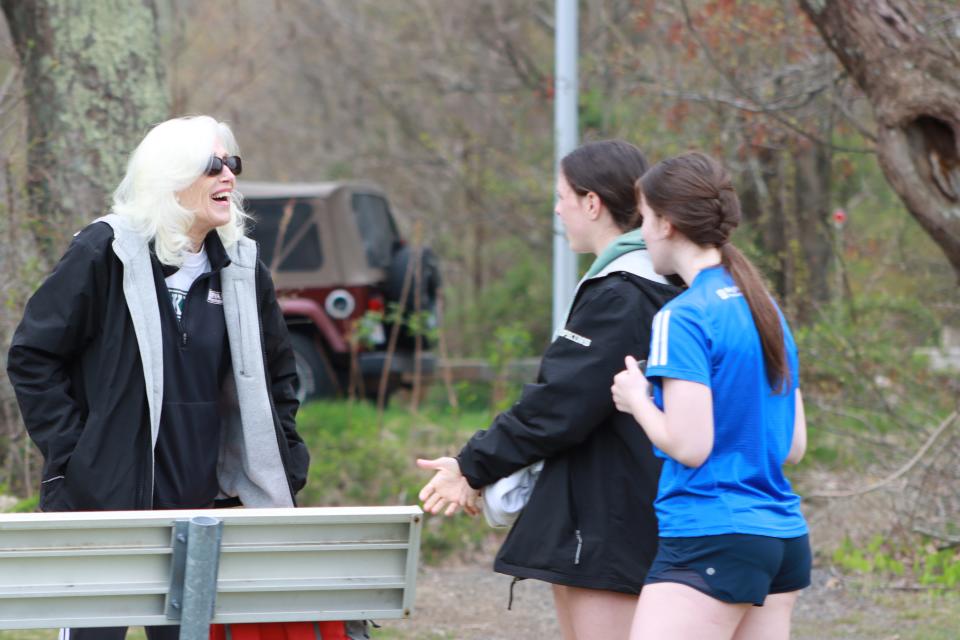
<point x="94" y="82"/>
<point x="812" y="191"/>
<point x="911" y="76"/>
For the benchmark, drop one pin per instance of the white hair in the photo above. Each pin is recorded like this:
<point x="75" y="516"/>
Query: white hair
<point x="169" y="159"/>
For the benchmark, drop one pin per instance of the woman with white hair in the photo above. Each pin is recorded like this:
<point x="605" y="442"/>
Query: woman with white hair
<point x="153" y="367"/>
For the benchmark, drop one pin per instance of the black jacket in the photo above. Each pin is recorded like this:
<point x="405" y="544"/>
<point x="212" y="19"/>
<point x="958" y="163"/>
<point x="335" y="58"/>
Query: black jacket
<point x="76" y="367"/>
<point x="590" y="520"/>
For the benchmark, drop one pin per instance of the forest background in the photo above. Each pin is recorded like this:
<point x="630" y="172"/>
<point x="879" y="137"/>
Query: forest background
<point x="449" y="106"/>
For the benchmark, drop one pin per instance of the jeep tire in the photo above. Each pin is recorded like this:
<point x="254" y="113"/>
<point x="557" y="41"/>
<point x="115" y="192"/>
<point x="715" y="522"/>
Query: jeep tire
<point x="312" y="372"/>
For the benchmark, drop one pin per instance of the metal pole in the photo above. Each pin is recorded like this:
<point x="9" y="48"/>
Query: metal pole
<point x="565" y="141"/>
<point x="200" y="581"/>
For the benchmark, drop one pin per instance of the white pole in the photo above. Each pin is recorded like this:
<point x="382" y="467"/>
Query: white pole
<point x="565" y="141"/>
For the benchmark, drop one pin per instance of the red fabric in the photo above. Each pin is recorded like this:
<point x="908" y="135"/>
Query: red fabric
<point x="280" y="631"/>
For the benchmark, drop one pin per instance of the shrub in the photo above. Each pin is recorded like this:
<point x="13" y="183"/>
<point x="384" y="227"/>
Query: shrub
<point x="354" y="463"/>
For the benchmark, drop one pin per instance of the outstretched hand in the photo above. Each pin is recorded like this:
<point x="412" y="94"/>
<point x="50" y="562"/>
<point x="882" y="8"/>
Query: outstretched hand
<point x="448" y="488"/>
<point x="630" y="387"/>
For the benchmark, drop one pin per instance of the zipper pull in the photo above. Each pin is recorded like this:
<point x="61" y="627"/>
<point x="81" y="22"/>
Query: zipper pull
<point x="576" y="559"/>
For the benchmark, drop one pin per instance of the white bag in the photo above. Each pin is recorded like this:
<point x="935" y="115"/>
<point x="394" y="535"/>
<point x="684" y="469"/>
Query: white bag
<point x="505" y="499"/>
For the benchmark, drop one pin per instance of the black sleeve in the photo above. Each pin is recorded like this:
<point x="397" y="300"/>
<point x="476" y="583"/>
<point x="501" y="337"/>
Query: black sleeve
<point x="572" y="396"/>
<point x="59" y="320"/>
<point x="282" y="377"/>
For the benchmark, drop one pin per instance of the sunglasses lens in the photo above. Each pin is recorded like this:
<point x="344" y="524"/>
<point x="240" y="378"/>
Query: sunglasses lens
<point x="215" y="166"/>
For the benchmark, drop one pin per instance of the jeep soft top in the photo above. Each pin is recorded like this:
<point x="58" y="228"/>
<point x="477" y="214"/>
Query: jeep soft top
<point x="336" y="253"/>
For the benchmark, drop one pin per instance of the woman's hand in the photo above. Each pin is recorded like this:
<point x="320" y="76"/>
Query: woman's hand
<point x="685" y="431"/>
<point x="448" y="488"/>
<point x="630" y="387"/>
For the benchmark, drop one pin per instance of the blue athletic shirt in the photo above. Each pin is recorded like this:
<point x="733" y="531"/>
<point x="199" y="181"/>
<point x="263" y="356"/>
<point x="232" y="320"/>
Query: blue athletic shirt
<point x="707" y="335"/>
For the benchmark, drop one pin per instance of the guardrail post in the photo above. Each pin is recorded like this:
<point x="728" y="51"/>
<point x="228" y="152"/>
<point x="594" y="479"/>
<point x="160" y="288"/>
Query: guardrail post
<point x="200" y="577"/>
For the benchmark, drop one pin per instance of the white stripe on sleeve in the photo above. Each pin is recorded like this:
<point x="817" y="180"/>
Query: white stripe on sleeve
<point x="664" y="337"/>
<point x="652" y="361"/>
<point x="661" y="343"/>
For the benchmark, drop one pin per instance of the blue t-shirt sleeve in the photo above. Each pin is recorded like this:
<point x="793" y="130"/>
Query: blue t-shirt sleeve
<point x="679" y="346"/>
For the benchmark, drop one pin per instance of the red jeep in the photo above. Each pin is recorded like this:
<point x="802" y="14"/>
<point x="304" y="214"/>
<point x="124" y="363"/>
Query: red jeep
<point x="340" y="266"/>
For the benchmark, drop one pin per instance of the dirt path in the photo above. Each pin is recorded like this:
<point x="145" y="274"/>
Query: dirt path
<point x="469" y="603"/>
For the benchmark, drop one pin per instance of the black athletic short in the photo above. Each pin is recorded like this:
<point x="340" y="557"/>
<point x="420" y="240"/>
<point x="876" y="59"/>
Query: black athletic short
<point x="736" y="568"/>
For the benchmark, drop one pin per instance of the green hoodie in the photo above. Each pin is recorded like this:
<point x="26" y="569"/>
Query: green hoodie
<point x="630" y="241"/>
<point x="624" y="244"/>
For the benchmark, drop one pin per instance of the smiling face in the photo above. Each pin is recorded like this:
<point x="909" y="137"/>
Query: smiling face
<point x="573" y="210"/>
<point x="209" y="198"/>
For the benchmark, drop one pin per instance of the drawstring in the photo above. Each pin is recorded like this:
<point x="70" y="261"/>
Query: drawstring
<point x="510" y="601"/>
<point x="576" y="560"/>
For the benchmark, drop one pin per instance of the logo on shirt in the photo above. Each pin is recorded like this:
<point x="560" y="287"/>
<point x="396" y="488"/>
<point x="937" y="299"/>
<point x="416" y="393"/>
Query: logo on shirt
<point x="729" y="292"/>
<point x="214" y="297"/>
<point x="574" y="337"/>
<point x="178" y="297"/>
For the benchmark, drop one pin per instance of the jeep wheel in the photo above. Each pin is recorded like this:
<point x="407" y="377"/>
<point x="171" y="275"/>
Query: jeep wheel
<point x="312" y="373"/>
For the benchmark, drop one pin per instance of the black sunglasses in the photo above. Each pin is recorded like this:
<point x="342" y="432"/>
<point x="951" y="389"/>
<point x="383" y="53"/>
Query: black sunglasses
<point x="215" y="165"/>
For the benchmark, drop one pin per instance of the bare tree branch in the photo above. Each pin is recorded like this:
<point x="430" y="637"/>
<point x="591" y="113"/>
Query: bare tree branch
<point x="947" y="422"/>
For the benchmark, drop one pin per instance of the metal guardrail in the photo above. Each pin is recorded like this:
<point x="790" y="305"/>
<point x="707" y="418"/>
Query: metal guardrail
<point x="121" y="568"/>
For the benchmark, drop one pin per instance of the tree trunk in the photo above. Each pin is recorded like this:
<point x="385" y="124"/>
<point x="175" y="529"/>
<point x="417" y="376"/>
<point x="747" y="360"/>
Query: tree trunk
<point x="764" y="206"/>
<point x="911" y="76"/>
<point x="812" y="190"/>
<point x="93" y="83"/>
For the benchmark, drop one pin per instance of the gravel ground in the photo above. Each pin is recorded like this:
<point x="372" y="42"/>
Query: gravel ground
<point x="469" y="603"/>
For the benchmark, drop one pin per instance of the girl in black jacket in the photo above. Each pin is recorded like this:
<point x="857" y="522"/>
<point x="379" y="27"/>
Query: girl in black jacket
<point x="589" y="526"/>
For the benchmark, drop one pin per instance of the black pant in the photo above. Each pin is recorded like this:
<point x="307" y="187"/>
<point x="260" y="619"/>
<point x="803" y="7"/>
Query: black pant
<point x="171" y="632"/>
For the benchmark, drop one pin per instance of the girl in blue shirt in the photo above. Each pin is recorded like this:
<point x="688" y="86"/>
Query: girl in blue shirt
<point x="720" y="401"/>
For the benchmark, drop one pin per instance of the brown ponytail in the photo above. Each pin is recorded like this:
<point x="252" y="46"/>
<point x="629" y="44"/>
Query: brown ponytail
<point x="695" y="193"/>
<point x="765" y="315"/>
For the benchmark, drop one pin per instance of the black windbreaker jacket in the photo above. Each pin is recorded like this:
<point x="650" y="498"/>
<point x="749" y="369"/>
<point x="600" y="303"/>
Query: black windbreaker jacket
<point x="75" y="365"/>
<point x="590" y="520"/>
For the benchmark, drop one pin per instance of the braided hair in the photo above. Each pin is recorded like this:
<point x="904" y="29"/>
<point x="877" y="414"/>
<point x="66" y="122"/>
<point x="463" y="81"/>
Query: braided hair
<point x="696" y="194"/>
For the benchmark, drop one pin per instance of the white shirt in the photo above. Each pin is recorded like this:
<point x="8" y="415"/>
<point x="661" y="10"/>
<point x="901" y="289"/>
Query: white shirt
<point x="194" y="265"/>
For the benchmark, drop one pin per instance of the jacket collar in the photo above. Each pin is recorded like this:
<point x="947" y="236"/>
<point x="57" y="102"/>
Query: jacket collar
<point x="243" y="253"/>
<point x="636" y="261"/>
<point x="127" y="243"/>
<point x="215" y="253"/>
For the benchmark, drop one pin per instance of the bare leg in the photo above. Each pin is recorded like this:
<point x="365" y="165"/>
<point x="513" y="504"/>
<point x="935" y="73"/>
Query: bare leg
<point x="676" y="611"/>
<point x="593" y="613"/>
<point x="560" y="600"/>
<point x="769" y="622"/>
